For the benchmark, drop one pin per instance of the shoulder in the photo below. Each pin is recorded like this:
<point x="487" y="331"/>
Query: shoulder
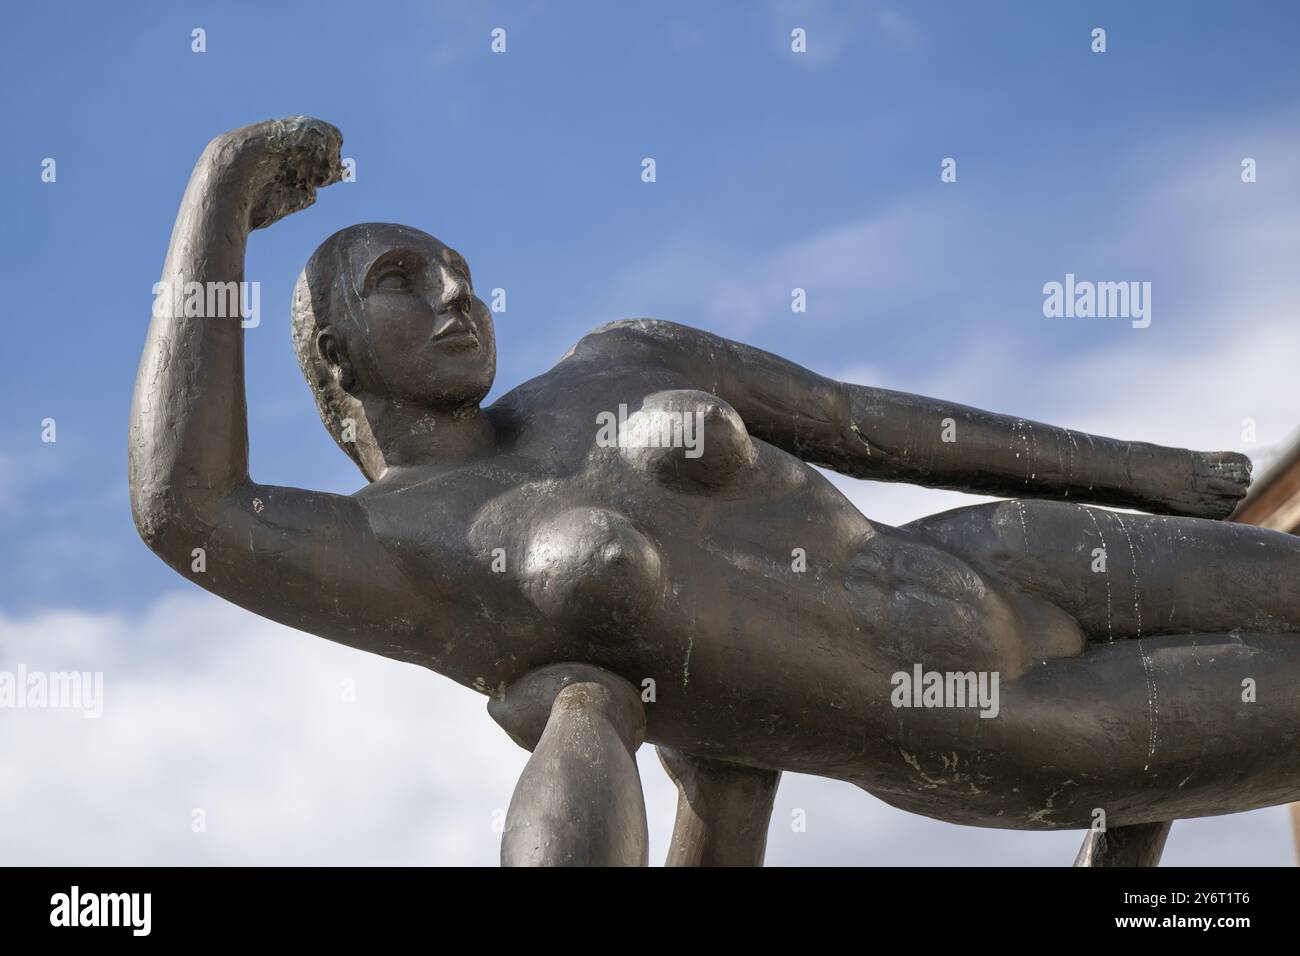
<point x="642" y="339"/>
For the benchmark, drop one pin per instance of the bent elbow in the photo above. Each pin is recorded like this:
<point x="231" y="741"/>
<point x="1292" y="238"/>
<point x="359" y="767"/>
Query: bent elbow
<point x="170" y="521"/>
<point x="160" y="519"/>
<point x="153" y="514"/>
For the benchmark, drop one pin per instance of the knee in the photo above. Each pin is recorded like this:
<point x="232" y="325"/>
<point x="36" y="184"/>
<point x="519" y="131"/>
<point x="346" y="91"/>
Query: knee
<point x="994" y="533"/>
<point x="962" y="527"/>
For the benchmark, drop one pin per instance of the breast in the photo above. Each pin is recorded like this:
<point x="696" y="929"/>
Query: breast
<point x="591" y="569"/>
<point x="690" y="440"/>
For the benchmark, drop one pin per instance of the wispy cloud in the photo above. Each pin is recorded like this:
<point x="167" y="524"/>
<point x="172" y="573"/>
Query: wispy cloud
<point x="830" y="35"/>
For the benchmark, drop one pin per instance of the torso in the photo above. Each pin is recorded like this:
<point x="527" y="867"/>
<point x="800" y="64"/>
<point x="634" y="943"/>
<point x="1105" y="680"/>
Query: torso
<point x="768" y="612"/>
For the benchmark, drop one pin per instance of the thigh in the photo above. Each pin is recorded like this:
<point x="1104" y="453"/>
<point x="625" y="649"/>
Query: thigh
<point x="1159" y="728"/>
<point x="1132" y="575"/>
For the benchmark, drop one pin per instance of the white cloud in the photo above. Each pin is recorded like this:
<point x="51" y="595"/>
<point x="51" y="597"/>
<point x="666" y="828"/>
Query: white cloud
<point x="206" y="706"/>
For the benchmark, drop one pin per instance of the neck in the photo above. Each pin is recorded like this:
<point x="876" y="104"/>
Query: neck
<point x="408" y="436"/>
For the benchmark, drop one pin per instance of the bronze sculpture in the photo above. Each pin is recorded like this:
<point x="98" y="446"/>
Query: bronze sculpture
<point x="713" y="593"/>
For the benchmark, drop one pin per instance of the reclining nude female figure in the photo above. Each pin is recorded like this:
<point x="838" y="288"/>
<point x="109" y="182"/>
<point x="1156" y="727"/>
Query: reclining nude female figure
<point x="714" y="594"/>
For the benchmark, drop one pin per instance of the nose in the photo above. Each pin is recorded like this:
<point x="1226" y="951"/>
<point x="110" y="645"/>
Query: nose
<point x="457" y="308"/>
<point x="462" y="303"/>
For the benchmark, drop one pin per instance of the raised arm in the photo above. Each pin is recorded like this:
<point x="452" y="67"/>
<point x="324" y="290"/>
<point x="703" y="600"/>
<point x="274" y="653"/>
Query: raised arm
<point x="292" y="555"/>
<point x="893" y="436"/>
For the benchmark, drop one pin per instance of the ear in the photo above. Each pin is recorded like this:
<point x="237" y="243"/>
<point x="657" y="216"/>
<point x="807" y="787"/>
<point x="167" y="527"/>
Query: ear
<point x="331" y="348"/>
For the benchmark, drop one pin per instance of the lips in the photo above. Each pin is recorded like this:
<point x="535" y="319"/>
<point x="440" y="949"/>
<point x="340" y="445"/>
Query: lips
<point x="455" y="330"/>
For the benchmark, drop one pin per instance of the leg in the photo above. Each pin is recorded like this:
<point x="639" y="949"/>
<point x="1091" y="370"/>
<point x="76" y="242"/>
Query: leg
<point x="578" y="801"/>
<point x="723" y="811"/>
<point x="1148" y="730"/>
<point x="1132" y="575"/>
<point x="1138" y="845"/>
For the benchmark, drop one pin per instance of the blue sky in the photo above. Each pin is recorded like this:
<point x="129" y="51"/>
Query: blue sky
<point x="774" y="171"/>
<point x="529" y="163"/>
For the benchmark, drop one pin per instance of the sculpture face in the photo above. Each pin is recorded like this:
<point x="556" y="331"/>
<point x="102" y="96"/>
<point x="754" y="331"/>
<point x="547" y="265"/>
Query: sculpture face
<point x="405" y="316"/>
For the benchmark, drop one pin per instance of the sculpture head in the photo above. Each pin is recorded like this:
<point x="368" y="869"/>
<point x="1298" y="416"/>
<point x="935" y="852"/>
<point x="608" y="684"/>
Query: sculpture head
<point x="385" y="315"/>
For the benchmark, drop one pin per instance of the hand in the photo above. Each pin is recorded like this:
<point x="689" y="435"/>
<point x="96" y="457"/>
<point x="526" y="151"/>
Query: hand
<point x="279" y="164"/>
<point x="1218" y="480"/>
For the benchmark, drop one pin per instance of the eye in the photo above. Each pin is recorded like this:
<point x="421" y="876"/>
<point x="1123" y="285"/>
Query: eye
<point x="393" y="280"/>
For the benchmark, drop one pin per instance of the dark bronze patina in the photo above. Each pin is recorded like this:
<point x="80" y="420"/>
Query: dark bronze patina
<point x="602" y="595"/>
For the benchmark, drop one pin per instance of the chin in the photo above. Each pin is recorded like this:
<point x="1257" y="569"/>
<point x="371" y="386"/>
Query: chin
<point x="469" y="387"/>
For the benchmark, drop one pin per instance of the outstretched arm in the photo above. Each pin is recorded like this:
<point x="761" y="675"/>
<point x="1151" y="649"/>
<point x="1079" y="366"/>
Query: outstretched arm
<point x="893" y="436"/>
<point x="292" y="555"/>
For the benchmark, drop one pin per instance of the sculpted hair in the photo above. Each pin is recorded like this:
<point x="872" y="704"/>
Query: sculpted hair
<point x="320" y="299"/>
